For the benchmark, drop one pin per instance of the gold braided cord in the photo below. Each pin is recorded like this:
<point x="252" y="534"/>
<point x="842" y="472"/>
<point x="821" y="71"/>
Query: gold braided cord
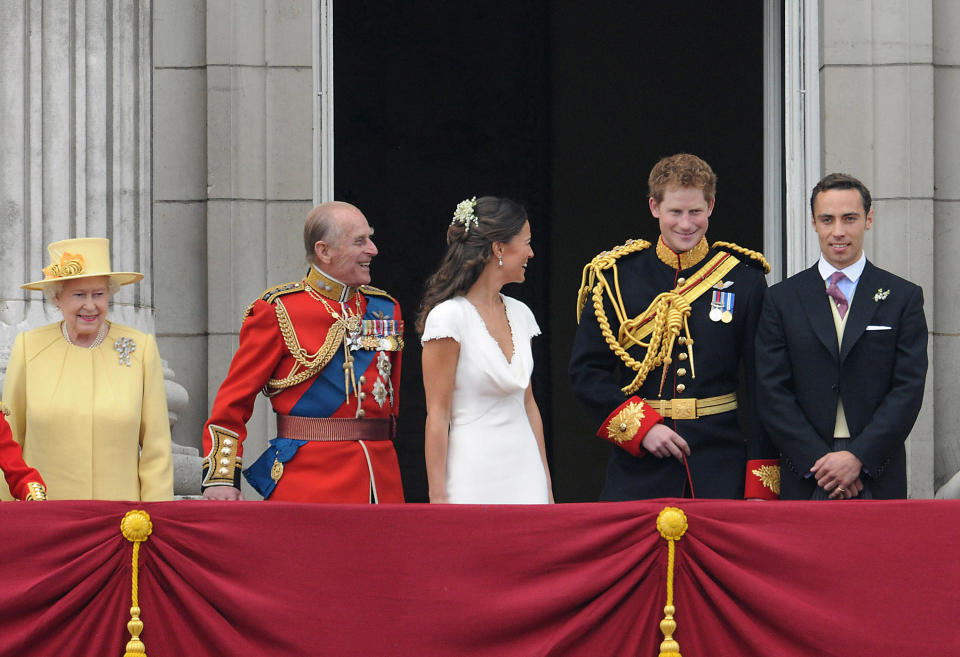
<point x="135" y="587"/>
<point x="755" y="255"/>
<point x="605" y="260"/>
<point x="306" y="365"/>
<point x="671" y="311"/>
<point x="669" y="308"/>
<point x="662" y="320"/>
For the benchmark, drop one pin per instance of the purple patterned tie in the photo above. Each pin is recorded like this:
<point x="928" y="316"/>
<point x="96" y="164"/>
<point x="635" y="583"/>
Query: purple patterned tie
<point x="836" y="294"/>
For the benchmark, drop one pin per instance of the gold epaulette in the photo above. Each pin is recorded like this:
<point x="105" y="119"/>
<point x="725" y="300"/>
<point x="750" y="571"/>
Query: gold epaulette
<point x="756" y="258"/>
<point x="272" y="294"/>
<point x="604" y="260"/>
<point x="278" y="291"/>
<point x="376" y="291"/>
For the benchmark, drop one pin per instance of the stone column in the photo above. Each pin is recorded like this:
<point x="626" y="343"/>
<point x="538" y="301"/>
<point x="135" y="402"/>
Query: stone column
<point x="877" y="113"/>
<point x="259" y="99"/>
<point x="75" y="147"/>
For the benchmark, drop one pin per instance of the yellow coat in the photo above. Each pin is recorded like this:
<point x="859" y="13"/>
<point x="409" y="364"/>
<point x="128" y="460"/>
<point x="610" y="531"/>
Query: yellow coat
<point x="95" y="428"/>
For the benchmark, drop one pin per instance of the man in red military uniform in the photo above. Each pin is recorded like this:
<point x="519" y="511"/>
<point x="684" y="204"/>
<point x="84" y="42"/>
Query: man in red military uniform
<point x="326" y="351"/>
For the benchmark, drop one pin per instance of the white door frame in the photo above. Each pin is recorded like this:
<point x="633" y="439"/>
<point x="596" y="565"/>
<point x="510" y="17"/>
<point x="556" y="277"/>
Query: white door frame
<point x="801" y="132"/>
<point x="322" y="101"/>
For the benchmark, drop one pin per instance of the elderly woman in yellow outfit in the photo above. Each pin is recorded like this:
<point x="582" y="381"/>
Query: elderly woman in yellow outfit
<point x="86" y="396"/>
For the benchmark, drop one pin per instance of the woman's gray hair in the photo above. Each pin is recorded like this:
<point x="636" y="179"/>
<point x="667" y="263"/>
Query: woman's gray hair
<point x="51" y="290"/>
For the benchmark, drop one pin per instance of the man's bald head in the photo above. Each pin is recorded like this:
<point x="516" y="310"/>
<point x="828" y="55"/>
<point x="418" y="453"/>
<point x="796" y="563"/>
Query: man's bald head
<point x="325" y="224"/>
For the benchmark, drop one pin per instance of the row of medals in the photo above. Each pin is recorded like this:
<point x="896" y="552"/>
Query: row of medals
<point x="719" y="315"/>
<point x="717" y="311"/>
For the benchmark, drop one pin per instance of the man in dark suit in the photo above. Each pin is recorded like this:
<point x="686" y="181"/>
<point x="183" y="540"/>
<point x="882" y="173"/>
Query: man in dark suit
<point x="841" y="360"/>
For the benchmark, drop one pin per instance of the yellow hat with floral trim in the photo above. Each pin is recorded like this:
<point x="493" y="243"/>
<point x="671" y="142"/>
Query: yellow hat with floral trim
<point x="83" y="257"/>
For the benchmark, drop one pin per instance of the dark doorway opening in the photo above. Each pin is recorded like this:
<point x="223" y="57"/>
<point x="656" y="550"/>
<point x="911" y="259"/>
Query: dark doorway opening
<point x="563" y="106"/>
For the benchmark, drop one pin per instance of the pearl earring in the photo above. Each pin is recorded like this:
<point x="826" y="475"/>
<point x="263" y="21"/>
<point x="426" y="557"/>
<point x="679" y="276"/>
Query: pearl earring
<point x="501" y="261"/>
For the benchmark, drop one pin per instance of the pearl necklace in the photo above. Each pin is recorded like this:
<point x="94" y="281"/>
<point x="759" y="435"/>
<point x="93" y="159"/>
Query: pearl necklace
<point x="101" y="334"/>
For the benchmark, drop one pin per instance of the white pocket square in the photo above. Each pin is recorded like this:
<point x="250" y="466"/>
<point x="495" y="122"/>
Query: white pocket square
<point x="879" y="328"/>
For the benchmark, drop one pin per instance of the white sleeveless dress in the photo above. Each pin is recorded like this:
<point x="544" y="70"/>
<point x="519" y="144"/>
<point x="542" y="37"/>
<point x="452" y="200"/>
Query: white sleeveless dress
<point x="492" y="454"/>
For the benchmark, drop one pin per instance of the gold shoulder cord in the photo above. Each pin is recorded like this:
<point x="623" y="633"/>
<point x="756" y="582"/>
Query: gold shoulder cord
<point x="306" y="365"/>
<point x="593" y="283"/>
<point x="662" y="320"/>
<point x="755" y="255"/>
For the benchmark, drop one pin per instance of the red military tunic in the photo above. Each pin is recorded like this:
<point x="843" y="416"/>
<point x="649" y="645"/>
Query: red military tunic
<point x="24" y="482"/>
<point x="318" y="349"/>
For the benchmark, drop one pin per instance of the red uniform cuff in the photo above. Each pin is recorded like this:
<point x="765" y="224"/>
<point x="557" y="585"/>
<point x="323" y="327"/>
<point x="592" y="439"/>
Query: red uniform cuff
<point x="628" y="423"/>
<point x="763" y="479"/>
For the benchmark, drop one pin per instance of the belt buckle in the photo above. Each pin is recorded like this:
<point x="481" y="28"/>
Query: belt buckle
<point x="684" y="409"/>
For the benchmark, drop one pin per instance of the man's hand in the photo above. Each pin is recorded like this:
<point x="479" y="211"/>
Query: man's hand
<point x="222" y="493"/>
<point x="839" y="474"/>
<point x="662" y="441"/>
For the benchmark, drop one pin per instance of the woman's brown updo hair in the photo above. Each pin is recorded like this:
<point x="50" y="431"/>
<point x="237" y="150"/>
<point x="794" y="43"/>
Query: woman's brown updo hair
<point x="498" y="220"/>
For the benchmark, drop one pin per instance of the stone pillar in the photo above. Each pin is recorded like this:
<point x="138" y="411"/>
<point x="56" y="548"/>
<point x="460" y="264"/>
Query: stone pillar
<point x="877" y="113"/>
<point x="946" y="206"/>
<point x="75" y="147"/>
<point x="259" y="99"/>
<point x="180" y="202"/>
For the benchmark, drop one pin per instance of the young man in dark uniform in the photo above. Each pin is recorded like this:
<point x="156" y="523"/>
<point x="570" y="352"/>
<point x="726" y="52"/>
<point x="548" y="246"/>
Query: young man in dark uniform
<point x="664" y="333"/>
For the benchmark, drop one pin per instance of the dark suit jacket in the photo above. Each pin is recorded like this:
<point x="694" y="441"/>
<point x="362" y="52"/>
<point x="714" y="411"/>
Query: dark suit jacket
<point x="879" y="374"/>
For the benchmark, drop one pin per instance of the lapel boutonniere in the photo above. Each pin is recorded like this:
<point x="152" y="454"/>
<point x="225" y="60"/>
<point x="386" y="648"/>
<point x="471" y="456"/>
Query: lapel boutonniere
<point x="881" y="295"/>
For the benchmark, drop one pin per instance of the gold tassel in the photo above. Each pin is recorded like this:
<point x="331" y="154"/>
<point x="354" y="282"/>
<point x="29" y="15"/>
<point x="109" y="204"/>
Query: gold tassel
<point x="136" y="528"/>
<point x="672" y="524"/>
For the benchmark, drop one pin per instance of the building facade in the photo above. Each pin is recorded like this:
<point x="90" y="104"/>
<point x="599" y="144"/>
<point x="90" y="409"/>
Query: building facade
<point x="196" y="134"/>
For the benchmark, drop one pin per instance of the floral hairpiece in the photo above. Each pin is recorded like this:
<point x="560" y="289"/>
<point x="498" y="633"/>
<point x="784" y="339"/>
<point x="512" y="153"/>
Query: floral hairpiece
<point x="465" y="214"/>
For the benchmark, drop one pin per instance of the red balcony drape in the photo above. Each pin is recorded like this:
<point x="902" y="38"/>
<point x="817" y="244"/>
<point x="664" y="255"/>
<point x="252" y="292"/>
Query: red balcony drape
<point x="256" y="578"/>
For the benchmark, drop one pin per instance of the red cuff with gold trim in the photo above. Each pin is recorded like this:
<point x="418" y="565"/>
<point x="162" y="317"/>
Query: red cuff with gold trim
<point x="763" y="479"/>
<point x="627" y="425"/>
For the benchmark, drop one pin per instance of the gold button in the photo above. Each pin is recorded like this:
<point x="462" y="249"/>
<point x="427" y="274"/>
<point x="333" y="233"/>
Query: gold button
<point x="682" y="340"/>
<point x="362" y="380"/>
<point x="682" y="355"/>
<point x="623" y="427"/>
<point x="223" y="471"/>
<point x="224" y="451"/>
<point x="681" y="372"/>
<point x="227" y="442"/>
<point x="361" y="412"/>
<point x="681" y="387"/>
<point x="681" y="280"/>
<point x="362" y="395"/>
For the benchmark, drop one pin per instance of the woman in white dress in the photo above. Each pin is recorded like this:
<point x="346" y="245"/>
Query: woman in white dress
<point x="484" y="436"/>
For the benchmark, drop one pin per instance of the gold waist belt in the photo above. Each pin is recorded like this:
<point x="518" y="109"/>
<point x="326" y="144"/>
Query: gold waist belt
<point x="335" y="429"/>
<point x="691" y="409"/>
